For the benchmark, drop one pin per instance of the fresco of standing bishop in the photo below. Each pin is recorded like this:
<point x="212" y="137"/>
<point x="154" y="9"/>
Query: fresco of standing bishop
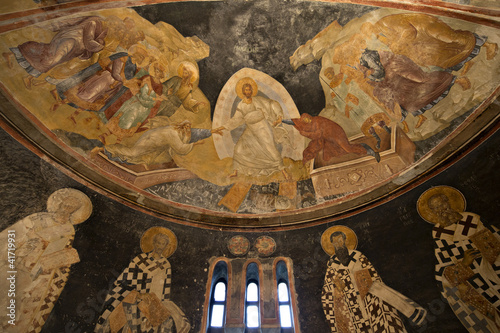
<point x="354" y="297"/>
<point x="140" y="299"/>
<point x="468" y="262"/>
<point x="41" y="246"/>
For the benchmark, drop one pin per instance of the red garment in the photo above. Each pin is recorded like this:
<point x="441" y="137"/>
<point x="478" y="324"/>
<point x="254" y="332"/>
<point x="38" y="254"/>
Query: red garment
<point x="326" y="136"/>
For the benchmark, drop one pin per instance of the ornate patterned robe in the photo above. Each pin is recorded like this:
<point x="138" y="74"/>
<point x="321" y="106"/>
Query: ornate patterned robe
<point x="347" y="304"/>
<point x="44" y="255"/>
<point x="144" y="275"/>
<point x="472" y="292"/>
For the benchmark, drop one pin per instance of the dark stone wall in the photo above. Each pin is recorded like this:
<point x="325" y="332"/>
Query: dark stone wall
<point x="393" y="237"/>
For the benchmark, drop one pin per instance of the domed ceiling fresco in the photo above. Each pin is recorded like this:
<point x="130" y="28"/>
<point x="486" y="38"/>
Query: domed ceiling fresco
<point x="248" y="113"/>
<point x="153" y="150"/>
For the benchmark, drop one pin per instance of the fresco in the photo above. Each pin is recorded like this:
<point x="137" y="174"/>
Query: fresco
<point x="476" y="3"/>
<point x="122" y="95"/>
<point x="40" y="255"/>
<point x="404" y="65"/>
<point x="467" y="258"/>
<point x="354" y="297"/>
<point x="399" y="78"/>
<point x="140" y="300"/>
<point x="397" y="242"/>
<point x="14" y="6"/>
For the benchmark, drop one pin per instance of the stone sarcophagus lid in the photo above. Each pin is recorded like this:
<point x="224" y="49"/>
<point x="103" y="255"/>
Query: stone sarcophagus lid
<point x="351" y="173"/>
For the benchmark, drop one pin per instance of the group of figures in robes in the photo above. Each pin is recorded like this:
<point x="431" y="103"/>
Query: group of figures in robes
<point x="140" y="299"/>
<point x="126" y="87"/>
<point x="468" y="261"/>
<point x="354" y="297"/>
<point x="467" y="271"/>
<point x="130" y="91"/>
<point x="158" y="143"/>
<point x="129" y="88"/>
<point x="397" y="76"/>
<point x="406" y="63"/>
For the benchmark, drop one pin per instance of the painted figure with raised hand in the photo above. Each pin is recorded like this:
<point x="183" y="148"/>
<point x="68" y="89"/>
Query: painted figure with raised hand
<point x="256" y="152"/>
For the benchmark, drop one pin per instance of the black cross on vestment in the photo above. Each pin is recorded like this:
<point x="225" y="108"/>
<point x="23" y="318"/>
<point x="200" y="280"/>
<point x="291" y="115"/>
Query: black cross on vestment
<point x="336" y="260"/>
<point x="441" y="230"/>
<point x="143" y="260"/>
<point x="143" y="283"/>
<point x="467" y="225"/>
<point x="448" y="248"/>
<point x="158" y="265"/>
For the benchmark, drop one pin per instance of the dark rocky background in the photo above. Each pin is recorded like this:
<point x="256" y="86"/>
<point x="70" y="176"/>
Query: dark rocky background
<point x="261" y="35"/>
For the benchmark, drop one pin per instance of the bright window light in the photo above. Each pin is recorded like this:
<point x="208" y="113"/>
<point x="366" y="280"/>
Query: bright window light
<point x="217" y="315"/>
<point x="252" y="292"/>
<point x="252" y="316"/>
<point x="220" y="292"/>
<point x="282" y="292"/>
<point x="285" y="319"/>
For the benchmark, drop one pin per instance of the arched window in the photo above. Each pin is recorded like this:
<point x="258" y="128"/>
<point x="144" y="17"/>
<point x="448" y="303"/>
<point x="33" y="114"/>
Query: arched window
<point x="218" y="305"/>
<point x="218" y="299"/>
<point x="252" y="297"/>
<point x="285" y="309"/>
<point x="237" y="290"/>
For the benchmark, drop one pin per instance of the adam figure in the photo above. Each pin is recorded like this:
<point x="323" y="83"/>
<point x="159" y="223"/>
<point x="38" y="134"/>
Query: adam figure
<point x="156" y="146"/>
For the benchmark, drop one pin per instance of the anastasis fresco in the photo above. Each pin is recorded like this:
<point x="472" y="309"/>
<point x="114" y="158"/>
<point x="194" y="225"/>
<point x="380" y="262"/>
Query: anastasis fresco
<point x="256" y="119"/>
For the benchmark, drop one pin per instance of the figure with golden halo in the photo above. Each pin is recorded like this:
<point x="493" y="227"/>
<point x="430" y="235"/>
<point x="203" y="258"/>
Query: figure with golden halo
<point x="468" y="262"/>
<point x="178" y="91"/>
<point x="140" y="300"/>
<point x="256" y="151"/>
<point x="354" y="297"/>
<point x="41" y="259"/>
